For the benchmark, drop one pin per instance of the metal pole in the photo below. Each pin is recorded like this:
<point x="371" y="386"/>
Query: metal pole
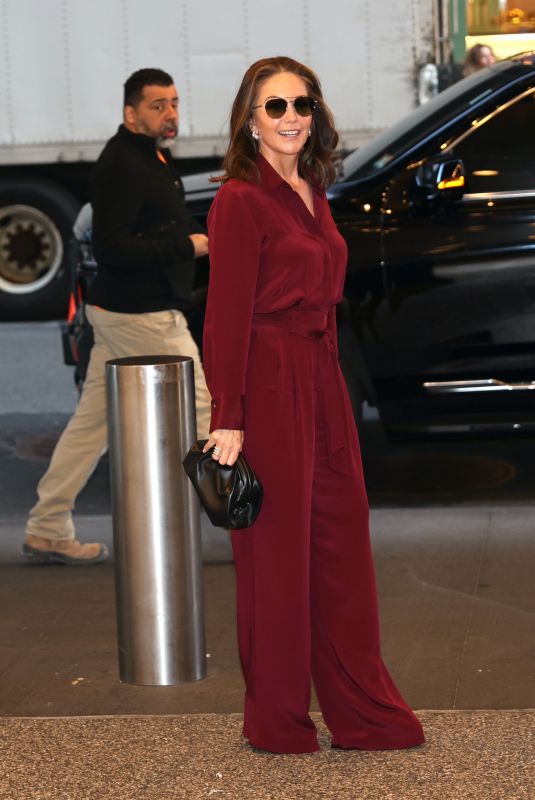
<point x="156" y="520"/>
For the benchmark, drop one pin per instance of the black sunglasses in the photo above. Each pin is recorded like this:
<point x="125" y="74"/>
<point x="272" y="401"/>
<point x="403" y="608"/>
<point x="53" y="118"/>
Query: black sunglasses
<point x="276" y="107"/>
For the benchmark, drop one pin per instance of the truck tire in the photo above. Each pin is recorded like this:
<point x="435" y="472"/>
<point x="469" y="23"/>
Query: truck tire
<point x="36" y="218"/>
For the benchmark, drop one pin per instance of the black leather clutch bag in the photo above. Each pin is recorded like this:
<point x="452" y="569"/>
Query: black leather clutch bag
<point x="231" y="496"/>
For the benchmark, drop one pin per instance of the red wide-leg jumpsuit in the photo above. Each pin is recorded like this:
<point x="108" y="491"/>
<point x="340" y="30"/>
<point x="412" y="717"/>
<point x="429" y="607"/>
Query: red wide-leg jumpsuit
<point x="307" y="606"/>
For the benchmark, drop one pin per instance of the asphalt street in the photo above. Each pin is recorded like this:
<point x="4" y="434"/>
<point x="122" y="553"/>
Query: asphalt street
<point x="38" y="396"/>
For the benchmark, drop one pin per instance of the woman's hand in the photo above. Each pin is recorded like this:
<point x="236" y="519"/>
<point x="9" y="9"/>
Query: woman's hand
<point x="227" y="445"/>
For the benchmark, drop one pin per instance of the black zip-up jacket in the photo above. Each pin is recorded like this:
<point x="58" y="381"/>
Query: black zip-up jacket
<point x="141" y="228"/>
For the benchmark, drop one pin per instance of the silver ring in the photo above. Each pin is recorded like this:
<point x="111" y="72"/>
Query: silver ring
<point x="217" y="450"/>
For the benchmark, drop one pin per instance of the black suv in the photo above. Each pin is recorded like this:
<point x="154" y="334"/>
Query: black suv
<point x="437" y="328"/>
<point x="439" y="216"/>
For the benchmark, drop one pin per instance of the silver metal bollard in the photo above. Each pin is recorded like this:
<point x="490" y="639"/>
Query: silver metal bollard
<point x="156" y="520"/>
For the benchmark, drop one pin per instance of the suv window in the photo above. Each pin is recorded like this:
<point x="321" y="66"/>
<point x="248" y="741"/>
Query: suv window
<point x="408" y="132"/>
<point x="499" y="154"/>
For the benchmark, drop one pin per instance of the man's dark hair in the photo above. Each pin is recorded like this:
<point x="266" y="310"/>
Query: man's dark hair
<point x="134" y="85"/>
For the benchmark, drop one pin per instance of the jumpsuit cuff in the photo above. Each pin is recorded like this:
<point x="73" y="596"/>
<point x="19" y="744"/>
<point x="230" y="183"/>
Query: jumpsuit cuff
<point x="227" y="412"/>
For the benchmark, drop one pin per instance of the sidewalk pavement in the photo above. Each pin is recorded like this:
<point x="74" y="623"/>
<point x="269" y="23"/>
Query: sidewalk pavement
<point x="469" y="755"/>
<point x="457" y="612"/>
<point x="458" y="624"/>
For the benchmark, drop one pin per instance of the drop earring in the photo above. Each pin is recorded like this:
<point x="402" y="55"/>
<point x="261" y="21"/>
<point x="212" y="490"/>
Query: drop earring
<point x="256" y="135"/>
<point x="309" y="131"/>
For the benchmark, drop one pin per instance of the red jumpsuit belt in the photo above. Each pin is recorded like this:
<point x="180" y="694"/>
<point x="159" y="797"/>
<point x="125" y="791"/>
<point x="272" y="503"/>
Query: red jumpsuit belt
<point x="315" y="325"/>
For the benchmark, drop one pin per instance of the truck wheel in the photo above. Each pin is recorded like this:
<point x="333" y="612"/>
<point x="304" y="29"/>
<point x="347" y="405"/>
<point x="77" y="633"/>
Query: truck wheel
<point x="36" y="218"/>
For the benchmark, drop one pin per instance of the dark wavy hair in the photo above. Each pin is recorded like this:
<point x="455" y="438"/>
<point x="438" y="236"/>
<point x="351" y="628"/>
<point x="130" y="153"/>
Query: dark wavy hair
<point x="316" y="159"/>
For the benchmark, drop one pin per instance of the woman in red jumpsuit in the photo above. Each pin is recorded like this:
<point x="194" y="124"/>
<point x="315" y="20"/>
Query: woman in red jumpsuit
<point x="306" y="596"/>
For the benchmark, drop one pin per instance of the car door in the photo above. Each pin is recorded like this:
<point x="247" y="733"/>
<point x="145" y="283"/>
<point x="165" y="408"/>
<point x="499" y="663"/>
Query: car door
<point x="459" y="320"/>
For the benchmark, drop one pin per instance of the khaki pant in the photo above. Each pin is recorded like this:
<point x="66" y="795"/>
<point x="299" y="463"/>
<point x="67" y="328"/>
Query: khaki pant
<point x="85" y="438"/>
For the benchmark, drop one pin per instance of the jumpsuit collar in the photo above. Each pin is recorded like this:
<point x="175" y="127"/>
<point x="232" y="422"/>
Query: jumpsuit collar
<point x="272" y="181"/>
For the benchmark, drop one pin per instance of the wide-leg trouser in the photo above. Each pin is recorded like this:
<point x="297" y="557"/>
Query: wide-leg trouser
<point x="306" y="594"/>
<point x="85" y="438"/>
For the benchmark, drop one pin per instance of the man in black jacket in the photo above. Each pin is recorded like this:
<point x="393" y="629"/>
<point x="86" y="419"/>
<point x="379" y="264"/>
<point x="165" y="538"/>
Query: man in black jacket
<point x="145" y="243"/>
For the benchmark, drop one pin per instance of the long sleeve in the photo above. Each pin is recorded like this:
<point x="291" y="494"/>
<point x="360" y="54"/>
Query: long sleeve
<point x="117" y="197"/>
<point x="234" y="262"/>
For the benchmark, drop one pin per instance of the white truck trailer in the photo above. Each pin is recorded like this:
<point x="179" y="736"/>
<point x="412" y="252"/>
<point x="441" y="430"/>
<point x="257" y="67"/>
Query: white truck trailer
<point x="63" y="63"/>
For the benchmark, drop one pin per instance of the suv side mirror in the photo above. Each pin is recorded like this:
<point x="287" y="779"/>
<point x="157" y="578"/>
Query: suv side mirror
<point x="440" y="179"/>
